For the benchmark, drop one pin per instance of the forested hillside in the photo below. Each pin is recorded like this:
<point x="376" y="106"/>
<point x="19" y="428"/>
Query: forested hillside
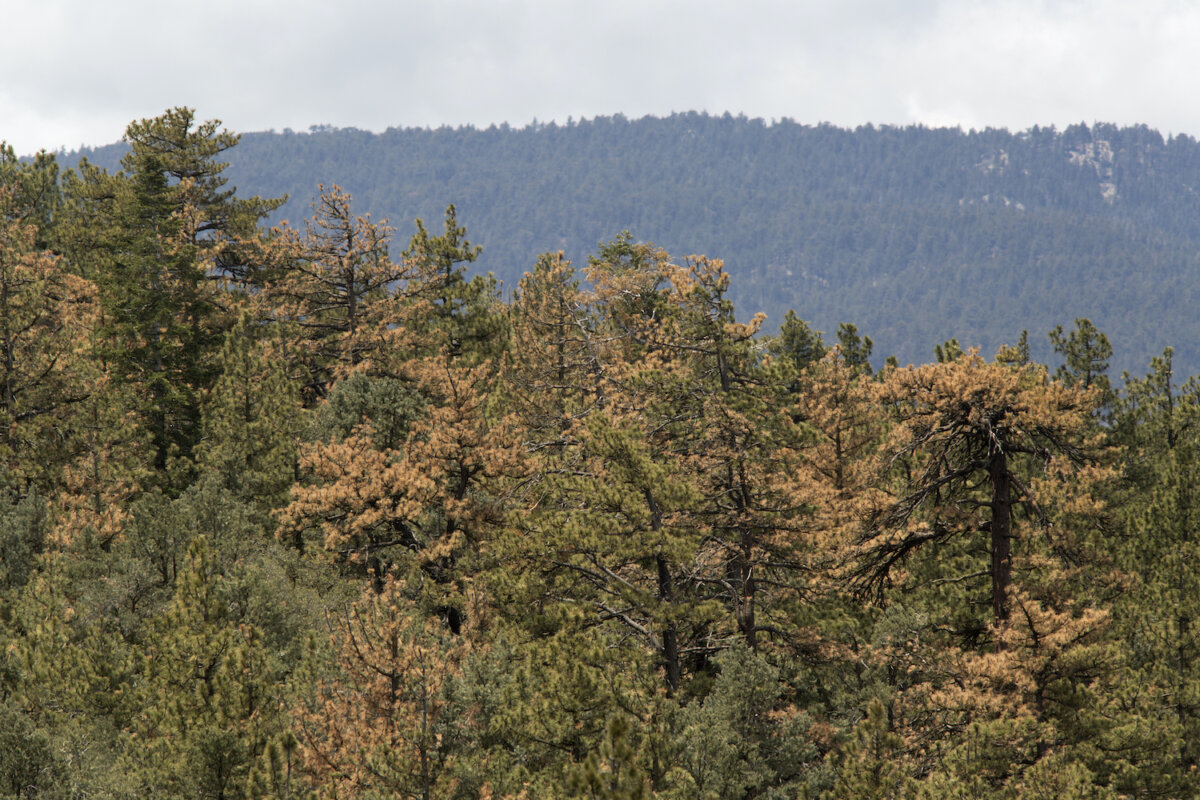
<point x="310" y="512"/>
<point x="915" y="235"/>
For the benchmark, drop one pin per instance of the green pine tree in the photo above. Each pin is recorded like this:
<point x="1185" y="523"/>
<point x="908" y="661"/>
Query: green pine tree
<point x="209" y="698"/>
<point x="252" y="421"/>
<point x="155" y="238"/>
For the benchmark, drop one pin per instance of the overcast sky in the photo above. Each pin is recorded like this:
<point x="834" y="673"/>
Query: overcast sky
<point x="76" y="72"/>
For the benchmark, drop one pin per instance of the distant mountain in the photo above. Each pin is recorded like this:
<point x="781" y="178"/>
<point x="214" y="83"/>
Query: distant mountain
<point x="914" y="234"/>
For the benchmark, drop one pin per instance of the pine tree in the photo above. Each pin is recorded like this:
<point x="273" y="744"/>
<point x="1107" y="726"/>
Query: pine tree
<point x="1156" y="617"/>
<point x="33" y="194"/>
<point x="154" y="238"/>
<point x="210" y="691"/>
<point x="223" y="227"/>
<point x="335" y="291"/>
<point x="427" y="504"/>
<point x="744" y="450"/>
<point x="1153" y="416"/>
<point x="553" y="367"/>
<point x="744" y="738"/>
<point x="72" y="677"/>
<point x="995" y="463"/>
<point x="797" y="344"/>
<point x="1086" y="352"/>
<point x="964" y="423"/>
<point x="840" y="406"/>
<point x="28" y="767"/>
<point x="449" y="311"/>
<point x="612" y="772"/>
<point x="856" y="349"/>
<point x="872" y="762"/>
<point x="667" y="422"/>
<point x="114" y="453"/>
<point x="45" y="373"/>
<point x="379" y="723"/>
<point x="252" y="420"/>
<point x="840" y="463"/>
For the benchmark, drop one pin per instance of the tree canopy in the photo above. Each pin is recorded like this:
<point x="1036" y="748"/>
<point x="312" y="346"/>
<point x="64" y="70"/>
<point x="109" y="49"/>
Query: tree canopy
<point x="294" y="512"/>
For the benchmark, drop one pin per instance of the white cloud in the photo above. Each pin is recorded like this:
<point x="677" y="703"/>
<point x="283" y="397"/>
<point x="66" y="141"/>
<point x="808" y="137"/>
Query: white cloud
<point x="79" y="70"/>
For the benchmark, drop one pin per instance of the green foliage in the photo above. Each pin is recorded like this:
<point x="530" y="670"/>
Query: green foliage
<point x="948" y="351"/>
<point x="553" y="365"/>
<point x="464" y="317"/>
<point x="24" y="532"/>
<point x="35" y="191"/>
<point x="611" y="773"/>
<point x="157" y="318"/>
<point x="872" y="765"/>
<point x="389" y="406"/>
<point x="1157" y="617"/>
<point x="599" y="541"/>
<point x="28" y="768"/>
<point x="1154" y="414"/>
<point x="1086" y="352"/>
<point x="251" y="421"/>
<point x="797" y="344"/>
<point x="153" y="238"/>
<point x="856" y="349"/>
<point x="1018" y="354"/>
<point x="540" y="703"/>
<point x="210" y="690"/>
<point x="162" y="529"/>
<point x="69" y="685"/>
<point x="743" y="739"/>
<point x="185" y="151"/>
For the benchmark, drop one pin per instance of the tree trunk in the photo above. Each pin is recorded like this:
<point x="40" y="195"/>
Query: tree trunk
<point x="670" y="638"/>
<point x="1001" y="529"/>
<point x="666" y="596"/>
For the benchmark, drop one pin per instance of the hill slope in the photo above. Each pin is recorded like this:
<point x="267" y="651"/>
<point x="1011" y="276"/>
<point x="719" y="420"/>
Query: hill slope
<point x="914" y="234"/>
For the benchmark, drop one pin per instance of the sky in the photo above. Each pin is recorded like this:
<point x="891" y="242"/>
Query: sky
<point x="76" y="72"/>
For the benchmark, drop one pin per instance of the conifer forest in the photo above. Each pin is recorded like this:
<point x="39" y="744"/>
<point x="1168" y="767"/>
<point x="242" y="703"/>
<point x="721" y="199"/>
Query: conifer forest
<point x="310" y="510"/>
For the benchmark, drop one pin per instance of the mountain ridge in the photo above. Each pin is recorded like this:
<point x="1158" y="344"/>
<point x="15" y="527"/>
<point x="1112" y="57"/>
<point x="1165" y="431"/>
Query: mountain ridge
<point x="914" y="234"/>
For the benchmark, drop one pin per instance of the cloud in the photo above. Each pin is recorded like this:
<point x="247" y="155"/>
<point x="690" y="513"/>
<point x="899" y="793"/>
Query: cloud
<point x="1020" y="63"/>
<point x="88" y="68"/>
